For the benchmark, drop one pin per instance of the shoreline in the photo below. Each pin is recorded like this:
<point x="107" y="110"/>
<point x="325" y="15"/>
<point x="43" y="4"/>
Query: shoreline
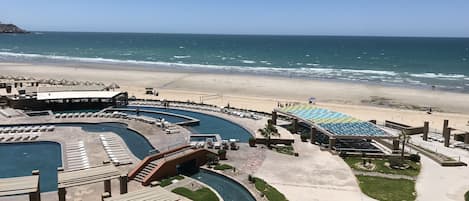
<point x="263" y="92"/>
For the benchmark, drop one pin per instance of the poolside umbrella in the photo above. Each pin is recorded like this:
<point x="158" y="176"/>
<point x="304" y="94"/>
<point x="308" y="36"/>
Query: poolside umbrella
<point x="114" y="86"/>
<point x="2" y="77"/>
<point x="63" y="81"/>
<point x="87" y="83"/>
<point x="9" y="77"/>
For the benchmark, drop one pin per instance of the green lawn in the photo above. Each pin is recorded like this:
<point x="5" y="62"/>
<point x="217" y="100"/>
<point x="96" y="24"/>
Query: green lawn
<point x="270" y="192"/>
<point x="203" y="194"/>
<point x="466" y="196"/>
<point x="223" y="167"/>
<point x="167" y="181"/>
<point x="384" y="189"/>
<point x="413" y="170"/>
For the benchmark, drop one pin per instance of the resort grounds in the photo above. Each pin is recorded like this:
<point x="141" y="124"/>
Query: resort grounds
<point x="314" y="174"/>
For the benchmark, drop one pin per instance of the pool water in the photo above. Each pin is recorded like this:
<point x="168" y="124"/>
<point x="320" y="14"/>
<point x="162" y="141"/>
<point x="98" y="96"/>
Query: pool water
<point x="19" y="159"/>
<point x="209" y="124"/>
<point x="137" y="144"/>
<point x="228" y="189"/>
<point x="76" y="111"/>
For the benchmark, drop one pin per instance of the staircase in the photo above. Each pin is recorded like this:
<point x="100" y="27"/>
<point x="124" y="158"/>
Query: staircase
<point x="140" y="177"/>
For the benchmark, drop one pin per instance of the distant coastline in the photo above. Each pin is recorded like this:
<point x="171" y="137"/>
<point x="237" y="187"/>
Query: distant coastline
<point x="11" y="29"/>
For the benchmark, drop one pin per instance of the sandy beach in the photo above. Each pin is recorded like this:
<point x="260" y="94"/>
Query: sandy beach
<point x="264" y="93"/>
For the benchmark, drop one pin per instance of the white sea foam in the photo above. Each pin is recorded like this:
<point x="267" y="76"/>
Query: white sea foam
<point x="181" y="56"/>
<point x="379" y="72"/>
<point x="438" y="75"/>
<point x="248" y="61"/>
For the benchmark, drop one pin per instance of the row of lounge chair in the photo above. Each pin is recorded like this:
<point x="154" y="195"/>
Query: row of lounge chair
<point x="234" y="112"/>
<point x="77" y="158"/>
<point x="211" y="144"/>
<point x="115" y="150"/>
<point x="26" y="129"/>
<point x="16" y="137"/>
<point x="84" y="115"/>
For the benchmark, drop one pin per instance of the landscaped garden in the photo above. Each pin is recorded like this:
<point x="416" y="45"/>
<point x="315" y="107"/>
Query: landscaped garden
<point x="396" y="178"/>
<point x="387" y="189"/>
<point x="382" y="166"/>
<point x="203" y="194"/>
<point x="169" y="181"/>
<point x="466" y="196"/>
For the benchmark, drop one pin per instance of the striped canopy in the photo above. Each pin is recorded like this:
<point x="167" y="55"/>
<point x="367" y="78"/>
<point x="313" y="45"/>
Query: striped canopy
<point x="335" y="122"/>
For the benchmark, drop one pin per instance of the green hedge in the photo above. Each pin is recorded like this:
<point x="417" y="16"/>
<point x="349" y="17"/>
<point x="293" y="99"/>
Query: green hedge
<point x="168" y="181"/>
<point x="203" y="194"/>
<point x="466" y="196"/>
<point x="223" y="167"/>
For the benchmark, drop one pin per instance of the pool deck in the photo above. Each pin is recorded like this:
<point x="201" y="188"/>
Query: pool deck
<point x="94" y="149"/>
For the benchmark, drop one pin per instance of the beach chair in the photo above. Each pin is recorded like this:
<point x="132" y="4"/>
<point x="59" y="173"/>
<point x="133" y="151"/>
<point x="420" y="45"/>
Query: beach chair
<point x="209" y="143"/>
<point x="50" y="128"/>
<point x="57" y="115"/>
<point x="224" y="144"/>
<point x="28" y="129"/>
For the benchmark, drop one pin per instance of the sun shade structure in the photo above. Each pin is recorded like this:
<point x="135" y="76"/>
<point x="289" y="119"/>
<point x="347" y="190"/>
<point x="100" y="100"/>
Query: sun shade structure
<point x="76" y="95"/>
<point x="19" y="185"/>
<point x="334" y="124"/>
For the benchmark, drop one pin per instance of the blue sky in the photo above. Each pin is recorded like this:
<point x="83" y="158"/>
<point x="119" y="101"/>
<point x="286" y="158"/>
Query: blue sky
<point x="302" y="17"/>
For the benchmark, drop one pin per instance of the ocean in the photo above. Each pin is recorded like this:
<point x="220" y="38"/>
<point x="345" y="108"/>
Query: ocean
<point x="439" y="63"/>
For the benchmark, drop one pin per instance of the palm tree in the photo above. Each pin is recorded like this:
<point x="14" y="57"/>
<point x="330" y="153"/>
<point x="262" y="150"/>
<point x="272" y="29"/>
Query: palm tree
<point x="404" y="138"/>
<point x="269" y="131"/>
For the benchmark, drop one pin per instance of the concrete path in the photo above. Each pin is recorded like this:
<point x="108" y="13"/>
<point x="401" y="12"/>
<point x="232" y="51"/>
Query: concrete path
<point x="314" y="176"/>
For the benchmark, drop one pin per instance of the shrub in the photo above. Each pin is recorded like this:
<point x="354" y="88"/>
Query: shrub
<point x="395" y="162"/>
<point x="252" y="141"/>
<point x="250" y="178"/>
<point x="304" y="137"/>
<point x="222" y="154"/>
<point x="414" y="157"/>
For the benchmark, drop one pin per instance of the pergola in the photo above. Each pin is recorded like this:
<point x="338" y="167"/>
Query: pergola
<point x="97" y="174"/>
<point x="22" y="185"/>
<point x="335" y="125"/>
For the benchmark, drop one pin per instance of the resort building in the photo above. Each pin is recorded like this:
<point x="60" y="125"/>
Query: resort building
<point x="29" y="95"/>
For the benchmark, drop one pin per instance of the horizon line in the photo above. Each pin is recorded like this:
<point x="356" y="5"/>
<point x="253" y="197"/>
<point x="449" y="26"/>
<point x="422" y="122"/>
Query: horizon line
<point x="260" y="34"/>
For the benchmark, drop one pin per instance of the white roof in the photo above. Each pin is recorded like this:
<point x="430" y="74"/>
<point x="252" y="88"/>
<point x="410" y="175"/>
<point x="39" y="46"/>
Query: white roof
<point x="76" y="94"/>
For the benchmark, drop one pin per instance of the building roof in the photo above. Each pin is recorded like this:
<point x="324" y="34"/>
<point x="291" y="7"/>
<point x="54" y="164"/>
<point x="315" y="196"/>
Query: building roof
<point x="19" y="185"/>
<point x="333" y="123"/>
<point x="154" y="193"/>
<point x="87" y="176"/>
<point x="76" y="94"/>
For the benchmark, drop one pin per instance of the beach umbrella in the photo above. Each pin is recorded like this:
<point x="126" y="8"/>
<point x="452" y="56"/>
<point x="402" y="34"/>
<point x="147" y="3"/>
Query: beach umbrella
<point x="19" y="78"/>
<point x="87" y="83"/>
<point x="63" y="81"/>
<point x="114" y="86"/>
<point x="2" y="77"/>
<point x="9" y="77"/>
<point x="311" y="99"/>
<point x="74" y="82"/>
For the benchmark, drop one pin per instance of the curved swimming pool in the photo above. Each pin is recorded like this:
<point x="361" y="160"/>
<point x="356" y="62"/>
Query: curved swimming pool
<point x="19" y="159"/>
<point x="228" y="189"/>
<point x="209" y="124"/>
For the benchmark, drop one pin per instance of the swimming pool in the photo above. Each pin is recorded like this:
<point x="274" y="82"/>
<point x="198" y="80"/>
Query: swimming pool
<point x="228" y="189"/>
<point x="137" y="144"/>
<point x="19" y="159"/>
<point x="208" y="124"/>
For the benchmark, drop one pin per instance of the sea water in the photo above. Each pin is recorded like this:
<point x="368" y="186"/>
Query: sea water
<point x="441" y="63"/>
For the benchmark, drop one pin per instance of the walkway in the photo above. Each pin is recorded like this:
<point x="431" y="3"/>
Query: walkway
<point x="315" y="175"/>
